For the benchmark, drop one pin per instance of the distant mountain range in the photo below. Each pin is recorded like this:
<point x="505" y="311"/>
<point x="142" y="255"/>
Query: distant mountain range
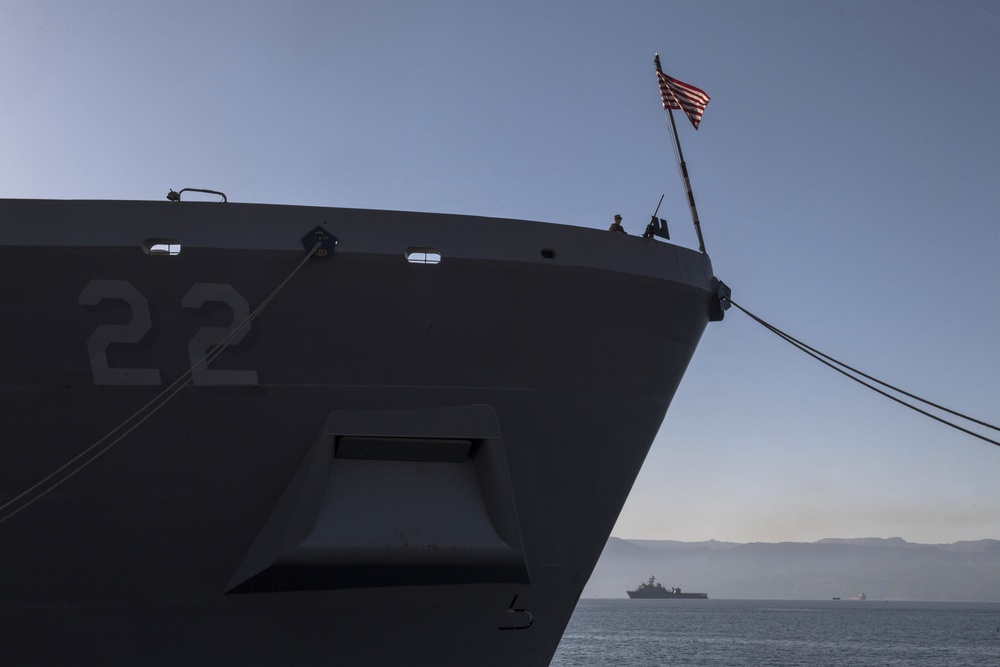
<point x="883" y="569"/>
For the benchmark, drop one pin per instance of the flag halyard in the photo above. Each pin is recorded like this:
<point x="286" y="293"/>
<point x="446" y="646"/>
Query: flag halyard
<point x="683" y="97"/>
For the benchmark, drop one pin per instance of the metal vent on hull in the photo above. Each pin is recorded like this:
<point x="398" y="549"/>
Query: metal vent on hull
<point x="393" y="498"/>
<point x="403" y="449"/>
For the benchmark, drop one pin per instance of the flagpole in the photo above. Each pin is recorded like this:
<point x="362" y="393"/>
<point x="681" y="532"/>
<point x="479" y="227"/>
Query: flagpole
<point x="683" y="165"/>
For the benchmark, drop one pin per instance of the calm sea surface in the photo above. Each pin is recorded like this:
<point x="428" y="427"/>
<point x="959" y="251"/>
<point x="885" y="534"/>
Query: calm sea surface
<point x="644" y="633"/>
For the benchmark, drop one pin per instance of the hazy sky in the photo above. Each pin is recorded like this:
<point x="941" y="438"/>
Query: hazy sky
<point x="847" y="172"/>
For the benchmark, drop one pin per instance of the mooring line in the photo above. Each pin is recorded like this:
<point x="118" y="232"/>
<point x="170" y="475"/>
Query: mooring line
<point x="846" y="370"/>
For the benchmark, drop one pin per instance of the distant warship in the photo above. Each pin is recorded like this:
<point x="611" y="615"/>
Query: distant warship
<point x="651" y="589"/>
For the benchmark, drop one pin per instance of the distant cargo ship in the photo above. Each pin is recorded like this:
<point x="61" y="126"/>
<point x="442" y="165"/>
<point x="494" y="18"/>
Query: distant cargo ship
<point x="652" y="589"/>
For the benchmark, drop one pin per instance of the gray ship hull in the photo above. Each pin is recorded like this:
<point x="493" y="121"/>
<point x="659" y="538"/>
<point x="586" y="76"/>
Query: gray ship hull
<point x="656" y="595"/>
<point x="397" y="463"/>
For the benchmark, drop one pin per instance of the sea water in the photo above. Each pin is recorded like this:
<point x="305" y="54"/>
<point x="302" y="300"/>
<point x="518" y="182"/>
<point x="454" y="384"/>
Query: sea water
<point x="648" y="633"/>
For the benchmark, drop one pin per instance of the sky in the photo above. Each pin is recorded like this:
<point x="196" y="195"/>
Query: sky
<point x="847" y="174"/>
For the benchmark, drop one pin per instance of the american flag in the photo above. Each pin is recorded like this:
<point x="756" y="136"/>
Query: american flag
<point x="682" y="96"/>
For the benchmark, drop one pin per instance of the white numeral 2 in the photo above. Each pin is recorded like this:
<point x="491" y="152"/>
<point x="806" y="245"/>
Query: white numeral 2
<point x="208" y="337"/>
<point x="133" y="332"/>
